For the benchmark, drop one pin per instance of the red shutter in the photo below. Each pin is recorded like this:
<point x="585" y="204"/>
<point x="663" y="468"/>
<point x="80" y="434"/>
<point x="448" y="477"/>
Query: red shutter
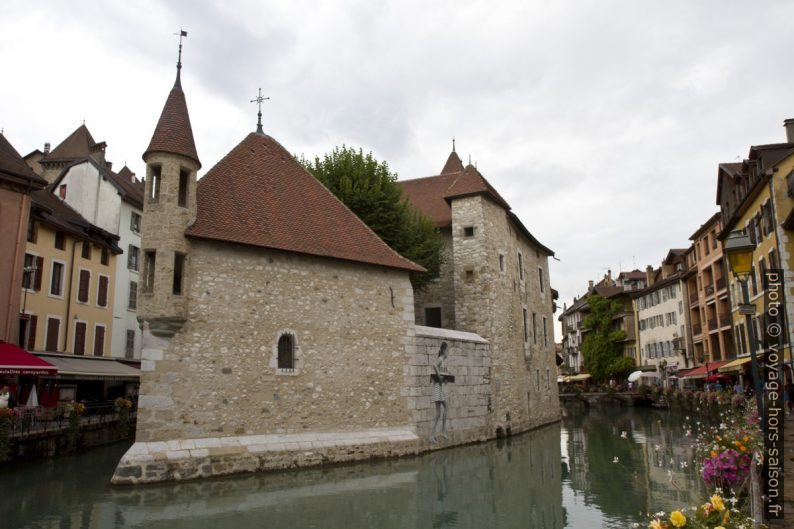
<point x="39" y="273"/>
<point x="82" y="291"/>
<point x="99" y="341"/>
<point x="79" y="338"/>
<point x="32" y="323"/>
<point x="103" y="292"/>
<point x="53" y="326"/>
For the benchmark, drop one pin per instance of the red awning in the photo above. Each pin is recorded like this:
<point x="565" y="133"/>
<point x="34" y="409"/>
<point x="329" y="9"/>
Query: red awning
<point x="16" y="361"/>
<point x="700" y="371"/>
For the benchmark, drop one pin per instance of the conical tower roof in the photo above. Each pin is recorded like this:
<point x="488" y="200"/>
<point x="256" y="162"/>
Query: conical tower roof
<point x="453" y="165"/>
<point x="173" y="133"/>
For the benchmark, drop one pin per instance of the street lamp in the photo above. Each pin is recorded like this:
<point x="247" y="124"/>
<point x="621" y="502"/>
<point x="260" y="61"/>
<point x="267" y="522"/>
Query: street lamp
<point x="739" y="249"/>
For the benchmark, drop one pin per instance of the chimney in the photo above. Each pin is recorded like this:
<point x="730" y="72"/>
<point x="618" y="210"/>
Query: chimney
<point x="789" y="125"/>
<point x="109" y="165"/>
<point x="590" y="285"/>
<point x="649" y="275"/>
<point x="47" y="148"/>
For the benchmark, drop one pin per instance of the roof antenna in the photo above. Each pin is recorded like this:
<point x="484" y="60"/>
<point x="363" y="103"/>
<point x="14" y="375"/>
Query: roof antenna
<point x="178" y="82"/>
<point x="258" y="100"/>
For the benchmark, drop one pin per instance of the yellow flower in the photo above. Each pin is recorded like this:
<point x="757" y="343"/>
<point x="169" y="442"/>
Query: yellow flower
<point x="717" y="502"/>
<point x="655" y="524"/>
<point x="713" y="453"/>
<point x="678" y="518"/>
<point x="720" y="527"/>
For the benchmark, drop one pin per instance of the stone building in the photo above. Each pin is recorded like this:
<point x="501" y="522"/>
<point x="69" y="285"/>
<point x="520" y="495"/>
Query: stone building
<point x="494" y="282"/>
<point x="17" y="182"/>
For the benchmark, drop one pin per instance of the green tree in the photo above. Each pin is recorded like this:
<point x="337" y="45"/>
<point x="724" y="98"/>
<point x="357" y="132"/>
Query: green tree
<point x="370" y="190"/>
<point x="601" y="348"/>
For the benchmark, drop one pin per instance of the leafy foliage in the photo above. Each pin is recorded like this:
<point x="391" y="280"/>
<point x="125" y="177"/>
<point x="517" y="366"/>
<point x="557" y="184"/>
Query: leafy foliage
<point x="370" y="190"/>
<point x="601" y="348"/>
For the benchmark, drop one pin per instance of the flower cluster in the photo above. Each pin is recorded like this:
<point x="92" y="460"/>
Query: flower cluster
<point x="713" y="514"/>
<point x="121" y="402"/>
<point x="729" y="468"/>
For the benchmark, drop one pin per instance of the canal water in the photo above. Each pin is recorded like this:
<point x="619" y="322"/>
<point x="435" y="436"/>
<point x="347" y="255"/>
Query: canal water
<point x="599" y="467"/>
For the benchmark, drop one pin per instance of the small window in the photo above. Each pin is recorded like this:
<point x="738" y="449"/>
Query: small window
<point x="540" y="278"/>
<point x="545" y="333"/>
<point x="62" y="191"/>
<point x="79" y="337"/>
<point x="534" y="328"/>
<point x="154" y="185"/>
<point x="184" y="182"/>
<point x="520" y="267"/>
<point x="32" y="231"/>
<point x="132" y="257"/>
<point x="60" y="240"/>
<point x="286" y="352"/>
<point x="83" y="286"/>
<point x="501" y="262"/>
<point x="86" y="250"/>
<point x="469" y="276"/>
<point x="132" y="302"/>
<point x="526" y="326"/>
<point x="56" y="279"/>
<point x="149" y="257"/>
<point x="99" y="340"/>
<point x="31" y="272"/>
<point x="129" y="346"/>
<point x="433" y="316"/>
<point x="53" y="334"/>
<point x="468" y="231"/>
<point x="135" y="222"/>
<point x="179" y="272"/>
<point x="102" y="292"/>
<point x="105" y="257"/>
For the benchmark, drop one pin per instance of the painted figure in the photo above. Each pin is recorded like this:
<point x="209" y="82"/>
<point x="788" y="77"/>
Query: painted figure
<point x="438" y="378"/>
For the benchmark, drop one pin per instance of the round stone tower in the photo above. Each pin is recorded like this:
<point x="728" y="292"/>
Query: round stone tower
<point x="169" y="207"/>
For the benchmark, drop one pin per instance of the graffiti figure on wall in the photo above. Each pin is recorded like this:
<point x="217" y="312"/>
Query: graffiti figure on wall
<point x="438" y="378"/>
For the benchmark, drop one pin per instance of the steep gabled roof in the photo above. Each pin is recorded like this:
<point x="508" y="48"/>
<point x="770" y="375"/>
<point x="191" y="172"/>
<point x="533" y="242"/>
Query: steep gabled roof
<point x="469" y="183"/>
<point x="453" y="165"/>
<point x="173" y="133"/>
<point x="79" y="144"/>
<point x="131" y="192"/>
<point x="259" y="195"/>
<point x="14" y="169"/>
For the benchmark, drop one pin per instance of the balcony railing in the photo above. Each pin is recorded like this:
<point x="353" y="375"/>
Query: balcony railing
<point x="693" y="297"/>
<point x="696" y="329"/>
<point x="709" y="290"/>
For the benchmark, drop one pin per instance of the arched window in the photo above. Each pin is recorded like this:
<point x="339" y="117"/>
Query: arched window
<point x="286" y="352"/>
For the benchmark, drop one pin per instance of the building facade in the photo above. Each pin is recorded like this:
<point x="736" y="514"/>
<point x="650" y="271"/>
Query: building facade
<point x="68" y="291"/>
<point x="17" y="182"/>
<point x="572" y="320"/>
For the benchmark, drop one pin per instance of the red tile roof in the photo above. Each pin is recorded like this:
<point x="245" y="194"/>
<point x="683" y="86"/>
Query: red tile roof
<point x="130" y="191"/>
<point x="79" y="144"/>
<point x="173" y="133"/>
<point x="427" y="195"/>
<point x="453" y="165"/>
<point x="259" y="195"/>
<point x="470" y="182"/>
<point x="14" y="169"/>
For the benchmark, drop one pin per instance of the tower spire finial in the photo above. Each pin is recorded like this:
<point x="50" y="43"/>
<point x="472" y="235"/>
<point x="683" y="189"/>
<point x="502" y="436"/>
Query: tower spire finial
<point x="258" y="100"/>
<point x="453" y="143"/>
<point x="178" y="82"/>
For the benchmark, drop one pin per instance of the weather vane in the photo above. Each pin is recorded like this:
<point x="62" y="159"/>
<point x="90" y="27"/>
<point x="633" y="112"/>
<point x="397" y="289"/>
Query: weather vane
<point x="259" y="99"/>
<point x="182" y="33"/>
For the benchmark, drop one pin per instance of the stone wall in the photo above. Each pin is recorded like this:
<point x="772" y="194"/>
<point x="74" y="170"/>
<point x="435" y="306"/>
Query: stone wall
<point x="468" y="398"/>
<point x="441" y="291"/>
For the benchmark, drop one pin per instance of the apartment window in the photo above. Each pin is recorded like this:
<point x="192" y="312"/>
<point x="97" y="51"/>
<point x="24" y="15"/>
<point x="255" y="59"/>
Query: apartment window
<point x="53" y="334"/>
<point x="540" y="278"/>
<point x="99" y="340"/>
<point x="772" y="259"/>
<point x="132" y="257"/>
<point x="79" y="337"/>
<point x="102" y="291"/>
<point x="60" y="240"/>
<point x="129" y="346"/>
<point x="526" y="326"/>
<point x="154" y="185"/>
<point x="179" y="272"/>
<point x="534" y="328"/>
<point x="433" y="317"/>
<point x="31" y="277"/>
<point x="104" y="257"/>
<point x="56" y="279"/>
<point x="149" y="257"/>
<point x="184" y="182"/>
<point x="132" y="301"/>
<point x="135" y="222"/>
<point x="86" y="250"/>
<point x="520" y="267"/>
<point x="83" y="285"/>
<point x="468" y="231"/>
<point x="713" y="240"/>
<point x="501" y="262"/>
<point x="32" y="231"/>
<point x="62" y="191"/>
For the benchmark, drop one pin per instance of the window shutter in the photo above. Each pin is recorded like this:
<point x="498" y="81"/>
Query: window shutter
<point x="53" y="326"/>
<point x="103" y="291"/>
<point x="99" y="341"/>
<point x="33" y="323"/>
<point x="82" y="291"/>
<point x="79" y="338"/>
<point x="39" y="273"/>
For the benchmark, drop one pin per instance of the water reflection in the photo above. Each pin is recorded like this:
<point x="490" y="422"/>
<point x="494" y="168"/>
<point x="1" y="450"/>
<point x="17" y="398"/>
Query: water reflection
<point x="559" y="476"/>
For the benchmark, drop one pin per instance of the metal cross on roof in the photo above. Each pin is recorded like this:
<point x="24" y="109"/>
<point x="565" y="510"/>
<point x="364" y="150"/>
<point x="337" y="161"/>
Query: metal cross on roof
<point x="259" y="99"/>
<point x="182" y="33"/>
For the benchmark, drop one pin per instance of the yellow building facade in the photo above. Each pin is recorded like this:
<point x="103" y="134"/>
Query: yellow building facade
<point x="68" y="282"/>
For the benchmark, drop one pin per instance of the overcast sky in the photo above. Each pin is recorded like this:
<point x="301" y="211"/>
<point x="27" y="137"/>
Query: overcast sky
<point x="600" y="122"/>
